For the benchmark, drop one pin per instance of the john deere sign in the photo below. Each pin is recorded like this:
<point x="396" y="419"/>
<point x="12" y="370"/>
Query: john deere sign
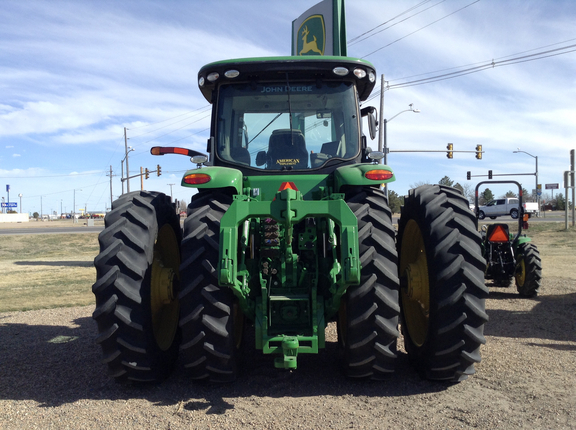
<point x="321" y="30"/>
<point x="312" y="36"/>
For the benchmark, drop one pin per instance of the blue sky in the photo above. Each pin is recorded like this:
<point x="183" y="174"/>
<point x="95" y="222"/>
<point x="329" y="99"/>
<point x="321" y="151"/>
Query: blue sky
<point x="73" y="74"/>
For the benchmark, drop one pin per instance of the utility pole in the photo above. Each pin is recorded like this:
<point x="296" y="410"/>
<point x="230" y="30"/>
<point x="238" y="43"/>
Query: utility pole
<point x="111" y="186"/>
<point x="141" y="179"/>
<point x="127" y="169"/>
<point x="171" y="191"/>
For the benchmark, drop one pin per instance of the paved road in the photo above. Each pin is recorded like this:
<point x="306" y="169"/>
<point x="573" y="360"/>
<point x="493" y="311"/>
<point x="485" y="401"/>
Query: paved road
<point x="51" y="230"/>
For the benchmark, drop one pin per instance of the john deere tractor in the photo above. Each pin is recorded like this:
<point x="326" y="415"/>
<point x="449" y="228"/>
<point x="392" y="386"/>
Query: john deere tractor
<point x="289" y="230"/>
<point x="510" y="256"/>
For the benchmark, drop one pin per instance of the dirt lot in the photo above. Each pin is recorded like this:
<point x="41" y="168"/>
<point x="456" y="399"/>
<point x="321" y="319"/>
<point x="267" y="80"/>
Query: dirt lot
<point x="51" y="375"/>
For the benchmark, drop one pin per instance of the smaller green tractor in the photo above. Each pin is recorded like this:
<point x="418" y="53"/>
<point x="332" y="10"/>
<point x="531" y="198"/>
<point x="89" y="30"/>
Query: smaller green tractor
<point x="511" y="256"/>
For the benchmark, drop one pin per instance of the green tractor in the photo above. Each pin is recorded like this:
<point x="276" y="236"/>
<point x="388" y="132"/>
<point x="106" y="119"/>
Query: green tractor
<point x="289" y="231"/>
<point x="510" y="256"/>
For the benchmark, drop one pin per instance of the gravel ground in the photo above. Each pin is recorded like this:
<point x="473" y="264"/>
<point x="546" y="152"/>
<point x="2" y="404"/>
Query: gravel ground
<point x="51" y="377"/>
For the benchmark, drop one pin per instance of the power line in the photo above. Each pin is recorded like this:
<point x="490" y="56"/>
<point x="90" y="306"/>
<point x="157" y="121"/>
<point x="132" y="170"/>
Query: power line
<point x="199" y="111"/>
<point x="168" y="119"/>
<point x="359" y="39"/>
<point x="487" y="65"/>
<point x="481" y="62"/>
<point x="422" y="28"/>
<point x="180" y="128"/>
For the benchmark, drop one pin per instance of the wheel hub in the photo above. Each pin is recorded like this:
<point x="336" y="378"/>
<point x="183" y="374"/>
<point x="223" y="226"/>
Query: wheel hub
<point x="163" y="280"/>
<point x="415" y="287"/>
<point x="415" y="283"/>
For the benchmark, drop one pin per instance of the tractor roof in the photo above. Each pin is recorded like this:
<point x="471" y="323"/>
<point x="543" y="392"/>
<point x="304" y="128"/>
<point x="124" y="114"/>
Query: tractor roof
<point x="299" y="68"/>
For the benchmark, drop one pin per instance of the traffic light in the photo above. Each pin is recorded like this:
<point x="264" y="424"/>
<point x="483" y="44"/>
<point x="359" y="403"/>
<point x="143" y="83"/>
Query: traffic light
<point x="449" y="153"/>
<point x="147" y="175"/>
<point x="158" y="169"/>
<point x="489" y="174"/>
<point x="479" y="152"/>
<point x="468" y="175"/>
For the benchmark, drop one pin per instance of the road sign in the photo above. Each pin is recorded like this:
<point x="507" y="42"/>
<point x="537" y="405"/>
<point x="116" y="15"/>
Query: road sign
<point x="10" y="205"/>
<point x="552" y="186"/>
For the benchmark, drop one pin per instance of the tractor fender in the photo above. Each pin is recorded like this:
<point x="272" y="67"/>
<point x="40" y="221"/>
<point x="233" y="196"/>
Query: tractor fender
<point x="519" y="241"/>
<point x="355" y="175"/>
<point x="215" y="177"/>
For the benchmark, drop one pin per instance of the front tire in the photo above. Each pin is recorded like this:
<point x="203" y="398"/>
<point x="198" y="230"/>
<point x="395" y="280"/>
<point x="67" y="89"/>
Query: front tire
<point x="368" y="316"/>
<point x="442" y="283"/>
<point x="136" y="287"/>
<point x="211" y="320"/>
<point x="528" y="270"/>
<point x="481" y="215"/>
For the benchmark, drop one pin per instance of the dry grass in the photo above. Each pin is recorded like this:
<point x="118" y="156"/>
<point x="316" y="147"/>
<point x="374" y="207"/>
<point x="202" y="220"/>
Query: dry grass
<point x="47" y="270"/>
<point x="56" y="270"/>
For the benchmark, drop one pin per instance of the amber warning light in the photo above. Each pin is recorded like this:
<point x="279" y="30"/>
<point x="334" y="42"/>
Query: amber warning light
<point x="378" y="175"/>
<point x="161" y="150"/>
<point x="196" y="178"/>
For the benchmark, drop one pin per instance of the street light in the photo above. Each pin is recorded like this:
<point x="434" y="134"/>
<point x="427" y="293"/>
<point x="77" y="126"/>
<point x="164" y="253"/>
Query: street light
<point x="20" y="195"/>
<point x="129" y="149"/>
<point x="74" y="211"/>
<point x="383" y="143"/>
<point x="536" y="174"/>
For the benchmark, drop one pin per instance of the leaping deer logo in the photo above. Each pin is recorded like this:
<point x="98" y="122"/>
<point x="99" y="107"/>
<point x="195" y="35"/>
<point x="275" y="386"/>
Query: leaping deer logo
<point x="308" y="46"/>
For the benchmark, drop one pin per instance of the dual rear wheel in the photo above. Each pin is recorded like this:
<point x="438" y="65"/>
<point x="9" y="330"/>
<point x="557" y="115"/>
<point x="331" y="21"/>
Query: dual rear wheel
<point x="149" y="305"/>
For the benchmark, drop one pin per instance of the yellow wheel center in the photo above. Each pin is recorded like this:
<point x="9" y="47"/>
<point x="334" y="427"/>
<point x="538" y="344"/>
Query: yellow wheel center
<point x="163" y="301"/>
<point x="415" y="290"/>
<point x="163" y="281"/>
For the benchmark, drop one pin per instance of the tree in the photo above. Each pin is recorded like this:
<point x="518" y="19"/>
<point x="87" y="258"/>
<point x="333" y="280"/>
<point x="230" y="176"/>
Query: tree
<point x="35" y="215"/>
<point x="468" y="190"/>
<point x="525" y="194"/>
<point x="419" y="183"/>
<point x="446" y="181"/>
<point x="560" y="202"/>
<point x="510" y="194"/>
<point x="395" y="201"/>
<point x="486" y="196"/>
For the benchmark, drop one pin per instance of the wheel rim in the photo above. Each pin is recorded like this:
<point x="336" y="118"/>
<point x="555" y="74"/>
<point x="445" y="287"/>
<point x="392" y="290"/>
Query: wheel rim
<point x="521" y="273"/>
<point x="164" y="281"/>
<point x="415" y="283"/>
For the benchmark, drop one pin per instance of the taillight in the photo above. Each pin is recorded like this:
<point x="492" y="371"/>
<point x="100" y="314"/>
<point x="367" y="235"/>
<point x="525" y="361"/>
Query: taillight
<point x="196" y="178"/>
<point x="378" y="175"/>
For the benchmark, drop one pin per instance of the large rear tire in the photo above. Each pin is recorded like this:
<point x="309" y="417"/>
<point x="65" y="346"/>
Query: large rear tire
<point x="137" y="282"/>
<point x="368" y="316"/>
<point x="528" y="270"/>
<point x="211" y="320"/>
<point x="442" y="283"/>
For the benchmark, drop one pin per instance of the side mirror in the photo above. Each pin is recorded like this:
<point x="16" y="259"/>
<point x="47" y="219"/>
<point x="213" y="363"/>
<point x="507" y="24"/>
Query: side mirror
<point x="370" y="112"/>
<point x="261" y="158"/>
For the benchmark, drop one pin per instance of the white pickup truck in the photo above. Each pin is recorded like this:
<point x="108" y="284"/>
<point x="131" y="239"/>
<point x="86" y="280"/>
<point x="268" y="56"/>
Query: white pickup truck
<point x="507" y="206"/>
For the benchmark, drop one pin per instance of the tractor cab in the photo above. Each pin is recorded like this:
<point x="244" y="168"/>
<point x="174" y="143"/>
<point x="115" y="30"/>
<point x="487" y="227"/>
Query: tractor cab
<point x="287" y="114"/>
